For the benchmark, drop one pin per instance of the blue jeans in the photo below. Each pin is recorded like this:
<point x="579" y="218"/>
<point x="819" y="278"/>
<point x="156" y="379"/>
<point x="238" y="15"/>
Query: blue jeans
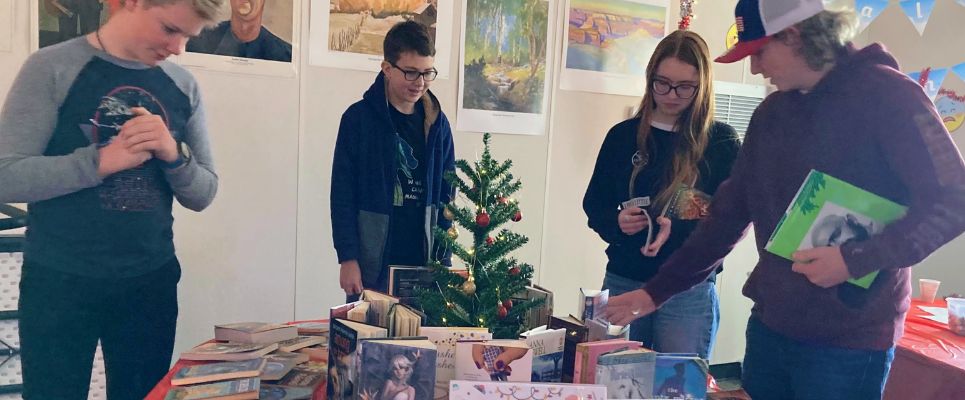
<point x="687" y="323"/>
<point x="777" y="367"/>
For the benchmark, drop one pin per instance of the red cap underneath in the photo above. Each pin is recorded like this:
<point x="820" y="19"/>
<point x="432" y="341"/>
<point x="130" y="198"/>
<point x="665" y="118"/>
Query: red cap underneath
<point x="742" y="49"/>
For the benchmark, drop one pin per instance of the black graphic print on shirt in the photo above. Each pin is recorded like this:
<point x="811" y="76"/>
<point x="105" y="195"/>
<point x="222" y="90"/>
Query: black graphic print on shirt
<point x="99" y="103"/>
<point x="136" y="189"/>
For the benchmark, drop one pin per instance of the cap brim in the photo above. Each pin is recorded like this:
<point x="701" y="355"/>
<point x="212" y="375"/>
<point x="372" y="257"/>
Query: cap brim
<point x="741" y="50"/>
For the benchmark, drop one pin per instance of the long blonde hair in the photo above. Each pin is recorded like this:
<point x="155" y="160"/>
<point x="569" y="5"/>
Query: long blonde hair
<point x="693" y="124"/>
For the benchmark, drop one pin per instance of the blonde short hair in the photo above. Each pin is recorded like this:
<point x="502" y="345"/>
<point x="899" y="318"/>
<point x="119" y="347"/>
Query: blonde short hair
<point x="208" y="10"/>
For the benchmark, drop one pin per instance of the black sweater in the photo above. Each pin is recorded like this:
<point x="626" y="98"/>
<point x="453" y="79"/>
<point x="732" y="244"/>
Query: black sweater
<point x="609" y="187"/>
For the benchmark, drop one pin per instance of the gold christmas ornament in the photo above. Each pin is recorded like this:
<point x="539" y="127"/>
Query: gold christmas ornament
<point x="469" y="287"/>
<point x="447" y="212"/>
<point x="453" y="233"/>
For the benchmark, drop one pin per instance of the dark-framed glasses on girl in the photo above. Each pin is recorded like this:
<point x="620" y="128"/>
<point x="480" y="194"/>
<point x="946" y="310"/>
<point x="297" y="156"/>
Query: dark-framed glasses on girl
<point x="683" y="90"/>
<point x="429" y="75"/>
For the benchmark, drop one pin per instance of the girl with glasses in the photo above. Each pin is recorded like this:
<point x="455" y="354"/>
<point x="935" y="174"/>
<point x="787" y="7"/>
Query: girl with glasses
<point x="653" y="179"/>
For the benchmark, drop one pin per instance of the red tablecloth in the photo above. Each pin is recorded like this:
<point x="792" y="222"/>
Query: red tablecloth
<point x="929" y="360"/>
<point x="164" y="385"/>
<point x="161" y="389"/>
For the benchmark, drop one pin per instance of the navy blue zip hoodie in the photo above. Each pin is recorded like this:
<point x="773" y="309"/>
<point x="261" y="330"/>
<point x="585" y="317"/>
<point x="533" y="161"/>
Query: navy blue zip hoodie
<point x="364" y="175"/>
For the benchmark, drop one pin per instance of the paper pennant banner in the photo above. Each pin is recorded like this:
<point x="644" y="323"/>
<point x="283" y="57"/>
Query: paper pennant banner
<point x="935" y="78"/>
<point x="868" y="10"/>
<point x="918" y="12"/>
<point x="960" y="68"/>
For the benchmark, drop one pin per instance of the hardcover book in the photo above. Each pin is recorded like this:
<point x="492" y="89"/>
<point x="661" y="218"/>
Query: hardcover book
<point x="404" y="282"/>
<point x="343" y="341"/>
<point x="830" y="212"/>
<point x="547" y="345"/>
<point x="404" y="320"/>
<point x="538" y="315"/>
<point x="584" y="367"/>
<point x="445" y="339"/>
<point x="401" y="368"/>
<point x="470" y="390"/>
<point x="576" y="333"/>
<point x="593" y="303"/>
<point x="598" y="329"/>
<point x="680" y="377"/>
<point x="497" y="360"/>
<point x="627" y="374"/>
<point x="380" y="303"/>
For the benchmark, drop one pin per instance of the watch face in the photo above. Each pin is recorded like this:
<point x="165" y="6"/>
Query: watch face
<point x="185" y="150"/>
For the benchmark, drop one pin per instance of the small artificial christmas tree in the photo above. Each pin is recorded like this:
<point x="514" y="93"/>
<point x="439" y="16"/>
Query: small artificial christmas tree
<point x="483" y="297"/>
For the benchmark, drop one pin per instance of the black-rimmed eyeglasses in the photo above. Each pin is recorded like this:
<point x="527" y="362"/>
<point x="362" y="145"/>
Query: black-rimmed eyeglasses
<point x="414" y="75"/>
<point x="683" y="90"/>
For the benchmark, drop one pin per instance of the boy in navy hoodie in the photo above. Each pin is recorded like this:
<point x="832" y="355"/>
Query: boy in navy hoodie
<point x="854" y="115"/>
<point x="393" y="149"/>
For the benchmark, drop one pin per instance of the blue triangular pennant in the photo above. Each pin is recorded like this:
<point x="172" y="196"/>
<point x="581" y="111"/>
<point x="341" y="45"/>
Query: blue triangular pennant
<point x="868" y="10"/>
<point x="918" y="12"/>
<point x="934" y="83"/>
<point x="960" y="68"/>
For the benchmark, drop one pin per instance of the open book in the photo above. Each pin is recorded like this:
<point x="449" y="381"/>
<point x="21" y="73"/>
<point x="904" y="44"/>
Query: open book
<point x="687" y="203"/>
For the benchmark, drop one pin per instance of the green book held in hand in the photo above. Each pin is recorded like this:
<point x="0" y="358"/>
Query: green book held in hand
<point x="830" y="212"/>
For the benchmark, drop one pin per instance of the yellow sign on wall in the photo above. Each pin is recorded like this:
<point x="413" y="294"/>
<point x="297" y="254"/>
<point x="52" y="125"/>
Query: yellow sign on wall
<point x="732" y="36"/>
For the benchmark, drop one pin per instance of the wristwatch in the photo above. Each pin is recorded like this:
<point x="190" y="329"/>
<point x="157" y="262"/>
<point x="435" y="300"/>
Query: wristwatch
<point x="184" y="155"/>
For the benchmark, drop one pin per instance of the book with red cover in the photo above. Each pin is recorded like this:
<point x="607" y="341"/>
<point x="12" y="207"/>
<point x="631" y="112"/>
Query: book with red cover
<point x="584" y="366"/>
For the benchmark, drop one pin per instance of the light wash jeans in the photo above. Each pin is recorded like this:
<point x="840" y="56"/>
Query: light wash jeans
<point x="687" y="323"/>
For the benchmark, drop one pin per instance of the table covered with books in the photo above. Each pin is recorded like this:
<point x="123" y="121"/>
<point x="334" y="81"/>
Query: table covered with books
<point x="929" y="359"/>
<point x="312" y="358"/>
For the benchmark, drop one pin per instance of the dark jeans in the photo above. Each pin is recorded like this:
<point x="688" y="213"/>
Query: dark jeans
<point x="62" y="316"/>
<point x="686" y="323"/>
<point x="777" y="367"/>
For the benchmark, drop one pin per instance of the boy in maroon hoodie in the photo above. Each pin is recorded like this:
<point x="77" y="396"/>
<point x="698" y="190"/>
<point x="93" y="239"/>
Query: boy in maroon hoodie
<point x="851" y="114"/>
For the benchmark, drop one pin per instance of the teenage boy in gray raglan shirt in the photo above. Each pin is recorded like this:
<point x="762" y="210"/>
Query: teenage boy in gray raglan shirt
<point x="99" y="134"/>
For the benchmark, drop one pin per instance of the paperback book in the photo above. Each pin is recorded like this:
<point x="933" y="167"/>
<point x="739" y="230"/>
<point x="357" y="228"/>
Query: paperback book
<point x="828" y="211"/>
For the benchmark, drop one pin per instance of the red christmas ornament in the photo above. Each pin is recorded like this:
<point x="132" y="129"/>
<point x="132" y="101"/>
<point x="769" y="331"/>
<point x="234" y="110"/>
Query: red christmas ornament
<point x="518" y="216"/>
<point x="502" y="312"/>
<point x="514" y="271"/>
<point x="508" y="304"/>
<point x="490" y="240"/>
<point x="482" y="219"/>
<point x="502" y="200"/>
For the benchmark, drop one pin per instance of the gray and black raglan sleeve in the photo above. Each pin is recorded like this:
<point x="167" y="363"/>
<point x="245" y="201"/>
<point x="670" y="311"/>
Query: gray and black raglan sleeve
<point x="196" y="183"/>
<point x="27" y="122"/>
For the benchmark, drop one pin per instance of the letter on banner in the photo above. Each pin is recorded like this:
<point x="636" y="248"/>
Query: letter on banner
<point x="934" y="83"/>
<point x="918" y="12"/>
<point x="868" y="10"/>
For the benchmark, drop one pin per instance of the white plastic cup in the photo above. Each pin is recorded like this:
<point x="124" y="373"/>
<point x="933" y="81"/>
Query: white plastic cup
<point x="956" y="315"/>
<point x="928" y="288"/>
